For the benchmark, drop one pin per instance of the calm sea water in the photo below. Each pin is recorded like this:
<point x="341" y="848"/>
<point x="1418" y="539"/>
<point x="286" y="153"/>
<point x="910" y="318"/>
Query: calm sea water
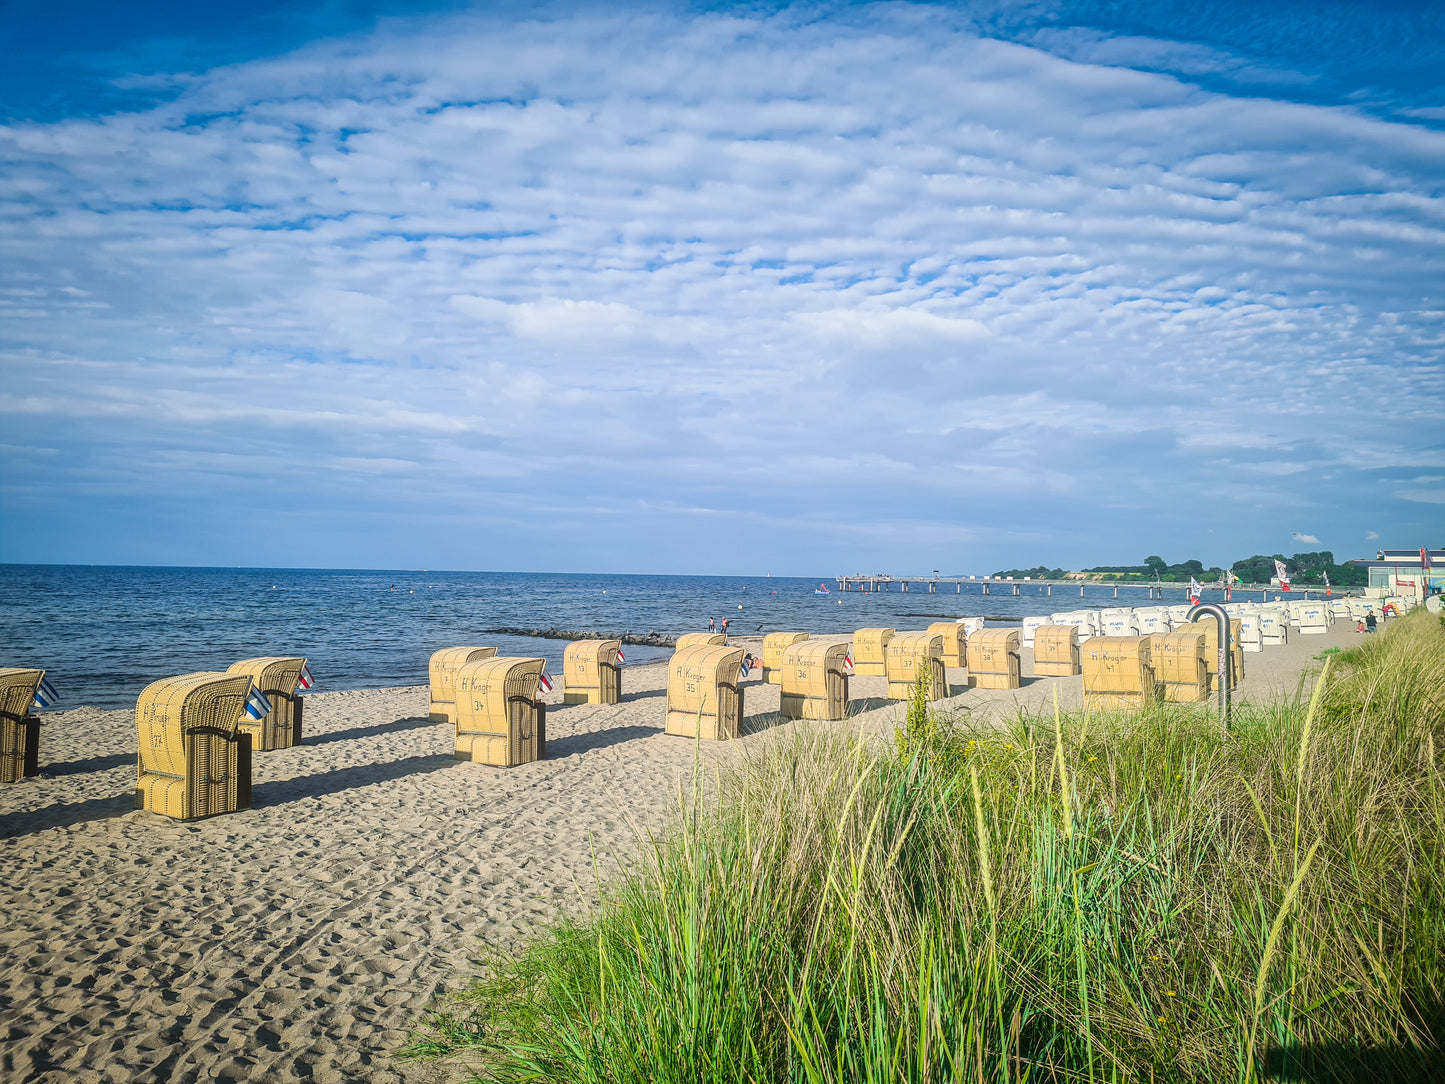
<point x="105" y="632"/>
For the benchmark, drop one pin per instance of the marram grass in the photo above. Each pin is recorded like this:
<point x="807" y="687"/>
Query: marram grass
<point x="1078" y="898"/>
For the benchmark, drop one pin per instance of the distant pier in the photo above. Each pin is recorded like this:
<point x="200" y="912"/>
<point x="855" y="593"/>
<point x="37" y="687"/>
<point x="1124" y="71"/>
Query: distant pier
<point x="988" y="584"/>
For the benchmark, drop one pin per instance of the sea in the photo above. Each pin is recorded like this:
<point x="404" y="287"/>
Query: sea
<point x="105" y="632"/>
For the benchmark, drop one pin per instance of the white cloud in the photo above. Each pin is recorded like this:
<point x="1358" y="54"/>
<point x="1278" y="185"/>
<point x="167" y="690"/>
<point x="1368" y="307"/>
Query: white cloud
<point x="1308" y="539"/>
<point x="660" y="258"/>
<point x="1371" y="536"/>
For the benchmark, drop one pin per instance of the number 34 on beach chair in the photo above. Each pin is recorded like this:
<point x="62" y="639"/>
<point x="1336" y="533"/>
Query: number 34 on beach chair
<point x="195" y="759"/>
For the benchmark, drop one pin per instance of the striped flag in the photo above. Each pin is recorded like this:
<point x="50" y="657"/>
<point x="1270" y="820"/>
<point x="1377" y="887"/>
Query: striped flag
<point x="746" y="666"/>
<point x="848" y="660"/>
<point x="45" y="695"/>
<point x="544" y="682"/>
<point x="1327" y="585"/>
<point x="1281" y="575"/>
<point x="257" y="706"/>
<point x="621" y="658"/>
<point x="305" y="681"/>
<point x="1194" y="588"/>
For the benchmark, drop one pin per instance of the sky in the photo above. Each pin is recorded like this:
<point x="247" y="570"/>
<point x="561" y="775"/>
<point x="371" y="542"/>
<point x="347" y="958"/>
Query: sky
<point x="733" y="289"/>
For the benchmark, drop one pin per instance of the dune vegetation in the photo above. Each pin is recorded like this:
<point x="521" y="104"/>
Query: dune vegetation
<point x="1075" y="898"/>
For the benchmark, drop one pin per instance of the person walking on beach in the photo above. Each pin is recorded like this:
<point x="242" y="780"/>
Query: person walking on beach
<point x="1369" y="621"/>
<point x="712" y="624"/>
<point x="725" y="626"/>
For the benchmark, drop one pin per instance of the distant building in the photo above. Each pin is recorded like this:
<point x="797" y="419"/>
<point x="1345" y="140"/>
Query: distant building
<point x="1400" y="571"/>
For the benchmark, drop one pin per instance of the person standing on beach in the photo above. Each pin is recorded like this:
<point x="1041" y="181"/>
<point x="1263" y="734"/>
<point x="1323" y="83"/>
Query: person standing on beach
<point x="725" y="626"/>
<point x="712" y="624"/>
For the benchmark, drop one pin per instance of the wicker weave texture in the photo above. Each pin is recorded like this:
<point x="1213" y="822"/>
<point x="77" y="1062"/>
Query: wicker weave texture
<point x="1117" y="672"/>
<point x="870" y="651"/>
<point x="1056" y="651"/>
<point x="499" y="720"/>
<point x="955" y="642"/>
<point x="908" y="652"/>
<point x="276" y="676"/>
<point x="194" y="759"/>
<point x="704" y="699"/>
<point x="19" y="730"/>
<point x="1210" y="628"/>
<point x="774" y="644"/>
<point x="1179" y="670"/>
<point x="815" y="681"/>
<point x="442" y="673"/>
<point x="993" y="659"/>
<point x="590" y="674"/>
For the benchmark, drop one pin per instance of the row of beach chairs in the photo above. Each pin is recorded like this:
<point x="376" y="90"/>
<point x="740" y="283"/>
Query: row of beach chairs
<point x="198" y="732"/>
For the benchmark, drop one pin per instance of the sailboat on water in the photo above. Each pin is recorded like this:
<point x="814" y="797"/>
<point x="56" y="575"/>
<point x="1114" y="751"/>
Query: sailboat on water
<point x="822" y="589"/>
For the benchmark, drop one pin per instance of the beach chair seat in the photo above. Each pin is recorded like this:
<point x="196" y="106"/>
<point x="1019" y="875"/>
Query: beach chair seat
<point x="993" y="659"/>
<point x="774" y="644"/>
<point x="870" y="652"/>
<point x="908" y="653"/>
<point x="19" y="730"/>
<point x="1210" y="628"/>
<point x="442" y="676"/>
<point x="814" y="681"/>
<point x="499" y="719"/>
<point x="590" y="673"/>
<point x="276" y="676"/>
<point x="1056" y="651"/>
<point x="1117" y="673"/>
<point x="194" y="760"/>
<point x="704" y="697"/>
<point x="955" y="642"/>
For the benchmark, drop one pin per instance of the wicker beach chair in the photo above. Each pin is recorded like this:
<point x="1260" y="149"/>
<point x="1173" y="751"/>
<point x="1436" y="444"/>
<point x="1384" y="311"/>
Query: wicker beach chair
<point x="814" y="681"/>
<point x="700" y="639"/>
<point x="1056" y="651"/>
<point x="906" y="652"/>
<point x="774" y="644"/>
<point x="277" y="677"/>
<point x="194" y="760"/>
<point x="590" y="674"/>
<point x="1179" y="666"/>
<point x="870" y="652"/>
<point x="19" y="730"/>
<point x="993" y="659"/>
<point x="442" y="673"/>
<point x="1117" y="673"/>
<point x="955" y="642"/>
<point x="499" y="719"/>
<point x="704" y="696"/>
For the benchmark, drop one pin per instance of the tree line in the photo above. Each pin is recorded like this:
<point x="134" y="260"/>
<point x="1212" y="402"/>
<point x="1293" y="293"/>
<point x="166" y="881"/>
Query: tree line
<point x="1302" y="568"/>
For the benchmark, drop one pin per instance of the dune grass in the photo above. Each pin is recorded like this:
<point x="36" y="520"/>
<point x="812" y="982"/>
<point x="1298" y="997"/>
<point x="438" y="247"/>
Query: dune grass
<point x="1077" y="898"/>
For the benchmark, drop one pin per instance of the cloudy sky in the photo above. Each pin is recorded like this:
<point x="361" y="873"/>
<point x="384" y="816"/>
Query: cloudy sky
<point x="803" y="289"/>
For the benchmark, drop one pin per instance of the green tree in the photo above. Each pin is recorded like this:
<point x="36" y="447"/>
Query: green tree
<point x="1156" y="565"/>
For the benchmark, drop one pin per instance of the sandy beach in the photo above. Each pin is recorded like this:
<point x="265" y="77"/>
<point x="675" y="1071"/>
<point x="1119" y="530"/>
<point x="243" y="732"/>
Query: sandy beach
<point x="300" y="939"/>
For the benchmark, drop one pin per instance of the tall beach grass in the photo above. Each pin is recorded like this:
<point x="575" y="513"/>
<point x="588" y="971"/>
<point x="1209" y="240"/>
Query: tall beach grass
<point x="1075" y="898"/>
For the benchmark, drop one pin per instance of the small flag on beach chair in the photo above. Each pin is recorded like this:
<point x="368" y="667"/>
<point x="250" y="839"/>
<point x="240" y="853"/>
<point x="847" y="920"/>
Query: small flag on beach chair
<point x="621" y="658"/>
<point x="544" y="682"/>
<point x="746" y="666"/>
<point x="848" y="660"/>
<point x="257" y="706"/>
<point x="45" y="695"/>
<point x="305" y="681"/>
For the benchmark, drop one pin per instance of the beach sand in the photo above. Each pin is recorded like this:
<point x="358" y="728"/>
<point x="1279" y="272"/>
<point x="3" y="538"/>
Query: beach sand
<point x="300" y="939"/>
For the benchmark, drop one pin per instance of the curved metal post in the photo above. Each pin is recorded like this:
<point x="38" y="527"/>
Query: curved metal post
<point x="1226" y="663"/>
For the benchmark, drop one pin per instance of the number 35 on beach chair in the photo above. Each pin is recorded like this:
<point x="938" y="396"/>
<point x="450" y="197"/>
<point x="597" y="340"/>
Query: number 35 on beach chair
<point x="194" y="759"/>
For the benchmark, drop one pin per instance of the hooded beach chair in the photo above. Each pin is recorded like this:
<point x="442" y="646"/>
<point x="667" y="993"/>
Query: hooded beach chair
<point x="590" y="672"/>
<point x="499" y="718"/>
<point x="814" y="681"/>
<point x="704" y="692"/>
<point x="19" y="730"/>
<point x="442" y="674"/>
<point x="194" y="759"/>
<point x="276" y="677"/>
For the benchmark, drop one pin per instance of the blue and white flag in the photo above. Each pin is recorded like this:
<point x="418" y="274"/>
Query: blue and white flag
<point x="305" y="681"/>
<point x="45" y="695"/>
<point x="257" y="706"/>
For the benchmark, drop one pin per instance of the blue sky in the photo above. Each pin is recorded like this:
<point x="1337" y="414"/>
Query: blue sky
<point x="789" y="289"/>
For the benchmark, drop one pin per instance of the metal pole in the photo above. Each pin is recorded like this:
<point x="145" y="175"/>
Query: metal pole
<point x="1226" y="671"/>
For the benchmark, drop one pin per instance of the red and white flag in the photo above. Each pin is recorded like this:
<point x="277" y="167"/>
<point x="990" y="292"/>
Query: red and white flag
<point x="305" y="681"/>
<point x="621" y="658"/>
<point x="1281" y="575"/>
<point x="848" y="660"/>
<point x="1327" y="584"/>
<point x="1194" y="588"/>
<point x="544" y="682"/>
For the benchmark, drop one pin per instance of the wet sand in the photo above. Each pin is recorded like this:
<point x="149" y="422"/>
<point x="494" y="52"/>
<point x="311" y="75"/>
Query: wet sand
<point x="300" y="939"/>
